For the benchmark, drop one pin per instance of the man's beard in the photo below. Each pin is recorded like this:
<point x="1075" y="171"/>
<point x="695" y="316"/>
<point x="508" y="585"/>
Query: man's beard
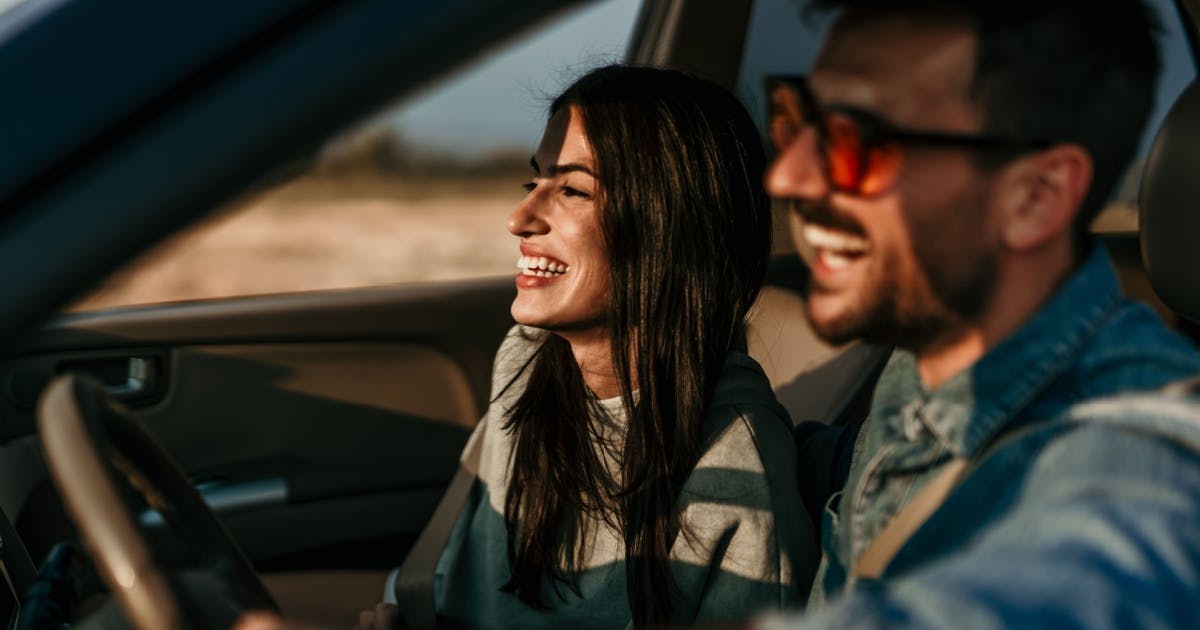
<point x="956" y="281"/>
<point x="880" y="314"/>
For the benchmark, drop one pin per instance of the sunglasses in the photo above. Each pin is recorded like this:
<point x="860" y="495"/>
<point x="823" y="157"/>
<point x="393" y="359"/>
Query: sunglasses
<point x="860" y="152"/>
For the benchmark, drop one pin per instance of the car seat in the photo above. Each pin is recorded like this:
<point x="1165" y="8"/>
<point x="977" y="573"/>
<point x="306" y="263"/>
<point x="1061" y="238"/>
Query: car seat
<point x="813" y="380"/>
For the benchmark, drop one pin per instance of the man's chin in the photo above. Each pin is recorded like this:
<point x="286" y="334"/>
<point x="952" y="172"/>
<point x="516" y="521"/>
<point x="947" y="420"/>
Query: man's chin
<point x="837" y="322"/>
<point x="836" y="333"/>
<point x="836" y="330"/>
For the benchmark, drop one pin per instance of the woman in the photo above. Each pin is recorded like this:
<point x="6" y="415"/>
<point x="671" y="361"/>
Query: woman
<point x="633" y="465"/>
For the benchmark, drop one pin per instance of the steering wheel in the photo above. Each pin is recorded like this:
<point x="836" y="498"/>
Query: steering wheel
<point x="96" y="454"/>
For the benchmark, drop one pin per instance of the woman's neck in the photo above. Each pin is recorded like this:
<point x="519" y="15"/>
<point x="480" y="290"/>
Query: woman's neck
<point x="593" y="353"/>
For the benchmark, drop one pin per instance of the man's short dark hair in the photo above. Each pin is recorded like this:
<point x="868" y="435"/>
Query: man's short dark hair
<point x="1074" y="71"/>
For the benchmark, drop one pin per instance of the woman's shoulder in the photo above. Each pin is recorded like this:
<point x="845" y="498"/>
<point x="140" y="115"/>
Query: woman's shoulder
<point x="746" y="429"/>
<point x="744" y="401"/>
<point x="745" y="482"/>
<point x="516" y="351"/>
<point x="522" y="339"/>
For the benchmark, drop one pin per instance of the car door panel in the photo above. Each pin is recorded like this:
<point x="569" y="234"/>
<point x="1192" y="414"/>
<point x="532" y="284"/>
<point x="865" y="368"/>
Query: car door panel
<point x="314" y="421"/>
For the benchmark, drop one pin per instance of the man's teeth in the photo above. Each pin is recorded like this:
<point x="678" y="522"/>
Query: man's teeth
<point x="834" y="260"/>
<point x="540" y="266"/>
<point x="835" y="245"/>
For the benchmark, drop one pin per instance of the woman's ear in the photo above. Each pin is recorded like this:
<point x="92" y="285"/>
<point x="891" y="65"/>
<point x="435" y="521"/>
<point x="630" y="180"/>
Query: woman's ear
<point x="1041" y="195"/>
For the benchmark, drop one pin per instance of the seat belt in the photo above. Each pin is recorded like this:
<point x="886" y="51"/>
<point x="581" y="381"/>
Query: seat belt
<point x="905" y="523"/>
<point x="875" y="559"/>
<point x="412" y="583"/>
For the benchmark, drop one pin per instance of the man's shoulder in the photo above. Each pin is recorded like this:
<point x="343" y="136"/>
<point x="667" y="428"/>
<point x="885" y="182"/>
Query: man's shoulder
<point x="1171" y="414"/>
<point x="1133" y="327"/>
<point x="1146" y="434"/>
<point x="1134" y="350"/>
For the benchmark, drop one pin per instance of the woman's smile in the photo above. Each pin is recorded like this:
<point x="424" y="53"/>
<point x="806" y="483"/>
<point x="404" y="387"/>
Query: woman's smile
<point x="541" y="266"/>
<point x="539" y="271"/>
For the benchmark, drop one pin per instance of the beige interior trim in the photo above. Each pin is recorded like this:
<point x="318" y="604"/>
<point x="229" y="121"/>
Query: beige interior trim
<point x="780" y="338"/>
<point x="397" y="377"/>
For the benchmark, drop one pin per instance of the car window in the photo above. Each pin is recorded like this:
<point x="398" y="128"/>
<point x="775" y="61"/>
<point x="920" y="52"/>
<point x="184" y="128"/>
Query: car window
<point x="784" y="39"/>
<point x="419" y="193"/>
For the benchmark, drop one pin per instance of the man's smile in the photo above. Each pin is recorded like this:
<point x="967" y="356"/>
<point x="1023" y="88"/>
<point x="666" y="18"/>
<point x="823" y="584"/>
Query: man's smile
<point x="835" y="249"/>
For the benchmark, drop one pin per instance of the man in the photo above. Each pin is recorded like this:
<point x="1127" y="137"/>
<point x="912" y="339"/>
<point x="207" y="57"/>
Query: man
<point x="946" y="158"/>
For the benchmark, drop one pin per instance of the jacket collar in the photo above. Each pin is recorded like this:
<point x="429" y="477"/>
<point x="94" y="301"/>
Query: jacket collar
<point x="966" y="412"/>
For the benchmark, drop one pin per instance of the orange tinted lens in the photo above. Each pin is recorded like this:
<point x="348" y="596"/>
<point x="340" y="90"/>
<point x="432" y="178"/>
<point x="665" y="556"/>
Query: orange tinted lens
<point x="786" y="117"/>
<point x="883" y="166"/>
<point x="855" y="166"/>
<point x="844" y="152"/>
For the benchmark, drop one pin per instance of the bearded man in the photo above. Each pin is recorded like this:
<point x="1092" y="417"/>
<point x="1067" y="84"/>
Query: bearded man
<point x="946" y="158"/>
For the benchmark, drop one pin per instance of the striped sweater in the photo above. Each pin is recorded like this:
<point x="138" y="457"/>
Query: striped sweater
<point x="749" y="545"/>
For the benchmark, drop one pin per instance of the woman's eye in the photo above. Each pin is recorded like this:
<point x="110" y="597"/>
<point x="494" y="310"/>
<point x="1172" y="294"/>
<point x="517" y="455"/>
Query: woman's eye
<point x="574" y="192"/>
<point x="529" y="186"/>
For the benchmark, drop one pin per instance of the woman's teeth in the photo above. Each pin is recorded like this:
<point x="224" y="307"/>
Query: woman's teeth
<point x="540" y="266"/>
<point x="836" y="249"/>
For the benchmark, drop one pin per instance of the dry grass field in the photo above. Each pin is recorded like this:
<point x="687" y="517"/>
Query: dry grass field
<point x="356" y="224"/>
<point x="330" y="232"/>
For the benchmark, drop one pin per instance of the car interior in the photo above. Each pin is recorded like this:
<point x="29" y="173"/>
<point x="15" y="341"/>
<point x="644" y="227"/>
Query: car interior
<point x="296" y="444"/>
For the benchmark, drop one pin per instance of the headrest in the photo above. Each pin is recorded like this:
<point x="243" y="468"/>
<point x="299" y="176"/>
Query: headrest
<point x="812" y="379"/>
<point x="1170" y="207"/>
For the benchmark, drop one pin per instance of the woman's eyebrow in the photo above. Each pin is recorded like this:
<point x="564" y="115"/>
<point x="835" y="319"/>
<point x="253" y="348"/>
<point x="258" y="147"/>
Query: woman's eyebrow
<point x="558" y="169"/>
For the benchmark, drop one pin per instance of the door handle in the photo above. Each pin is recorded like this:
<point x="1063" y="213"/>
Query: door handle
<point x="139" y="381"/>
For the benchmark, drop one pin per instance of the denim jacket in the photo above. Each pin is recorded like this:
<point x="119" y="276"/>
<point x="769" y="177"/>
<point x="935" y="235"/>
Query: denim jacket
<point x="1057" y="522"/>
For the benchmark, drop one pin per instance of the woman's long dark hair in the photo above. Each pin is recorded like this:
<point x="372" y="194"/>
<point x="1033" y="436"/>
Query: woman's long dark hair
<point x="687" y="228"/>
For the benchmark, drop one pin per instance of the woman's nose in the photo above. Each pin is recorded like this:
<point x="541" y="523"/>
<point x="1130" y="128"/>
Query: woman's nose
<point x="528" y="217"/>
<point x="797" y="172"/>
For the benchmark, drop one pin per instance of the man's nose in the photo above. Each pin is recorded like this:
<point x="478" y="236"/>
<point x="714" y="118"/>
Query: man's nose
<point x="528" y="217"/>
<point x="797" y="172"/>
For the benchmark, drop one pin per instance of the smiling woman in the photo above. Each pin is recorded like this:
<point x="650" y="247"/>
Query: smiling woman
<point x="563" y="284"/>
<point x="633" y="464"/>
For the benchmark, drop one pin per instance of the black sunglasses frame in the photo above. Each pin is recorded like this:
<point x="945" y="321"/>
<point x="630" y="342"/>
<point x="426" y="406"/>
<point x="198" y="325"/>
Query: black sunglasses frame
<point x="874" y="130"/>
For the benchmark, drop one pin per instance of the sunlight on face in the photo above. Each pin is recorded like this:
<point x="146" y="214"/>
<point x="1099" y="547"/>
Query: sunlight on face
<point x="563" y="283"/>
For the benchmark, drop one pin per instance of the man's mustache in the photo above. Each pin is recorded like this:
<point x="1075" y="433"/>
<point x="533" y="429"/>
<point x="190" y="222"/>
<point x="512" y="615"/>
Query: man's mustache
<point x="819" y="212"/>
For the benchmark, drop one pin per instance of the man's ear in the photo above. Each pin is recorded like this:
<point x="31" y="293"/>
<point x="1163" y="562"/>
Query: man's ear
<point x="1041" y="195"/>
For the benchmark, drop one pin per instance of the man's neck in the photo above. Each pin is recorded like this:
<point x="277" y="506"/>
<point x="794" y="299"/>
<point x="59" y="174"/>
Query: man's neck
<point x="939" y="361"/>
<point x="1023" y="286"/>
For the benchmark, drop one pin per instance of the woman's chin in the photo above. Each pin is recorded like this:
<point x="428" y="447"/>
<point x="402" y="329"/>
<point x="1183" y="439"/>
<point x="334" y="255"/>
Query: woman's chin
<point x="541" y="309"/>
<point x="527" y="316"/>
